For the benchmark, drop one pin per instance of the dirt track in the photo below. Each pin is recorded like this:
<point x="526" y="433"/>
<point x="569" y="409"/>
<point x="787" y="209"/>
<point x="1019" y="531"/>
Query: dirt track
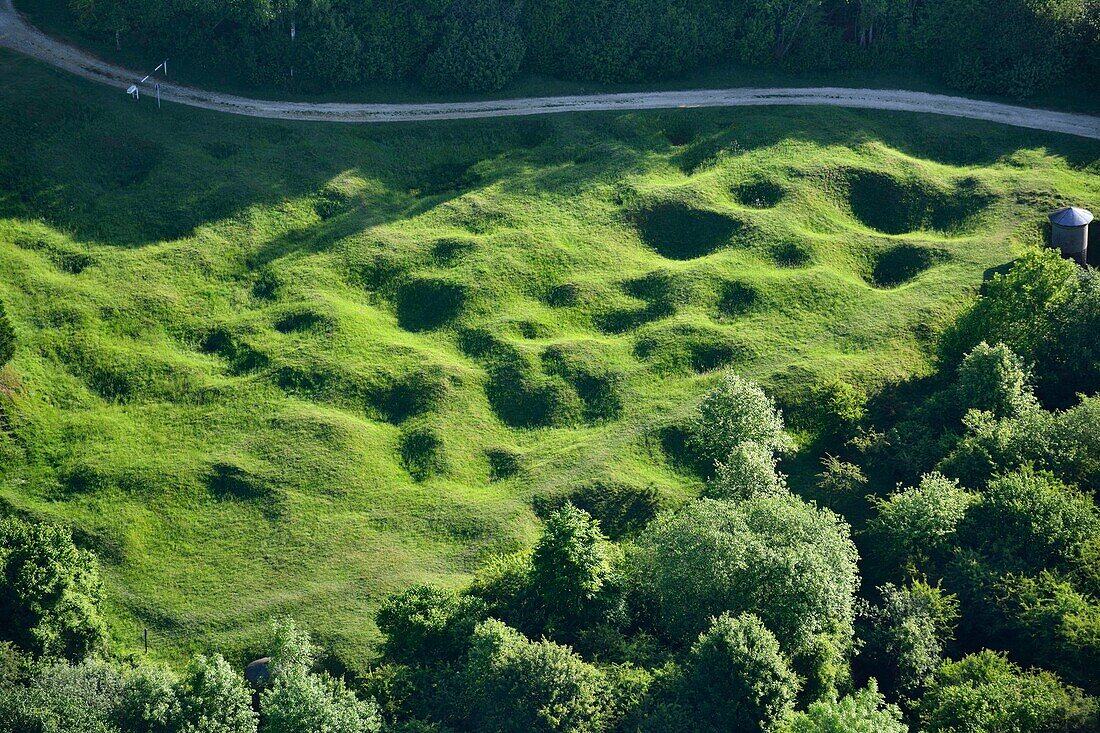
<point x="20" y="36"/>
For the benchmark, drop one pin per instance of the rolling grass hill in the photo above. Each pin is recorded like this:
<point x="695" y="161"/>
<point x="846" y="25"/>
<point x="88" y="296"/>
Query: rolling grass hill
<point x="275" y="368"/>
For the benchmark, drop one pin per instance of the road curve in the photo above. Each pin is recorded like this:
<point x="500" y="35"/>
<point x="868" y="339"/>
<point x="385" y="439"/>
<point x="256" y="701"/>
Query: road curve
<point x="20" y="36"/>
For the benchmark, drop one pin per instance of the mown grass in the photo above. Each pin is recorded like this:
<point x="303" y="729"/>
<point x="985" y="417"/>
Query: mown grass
<point x="288" y="368"/>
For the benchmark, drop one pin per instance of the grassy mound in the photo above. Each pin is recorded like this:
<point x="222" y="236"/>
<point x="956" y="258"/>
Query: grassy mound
<point x="790" y="253"/>
<point x="759" y="194"/>
<point x="426" y="303"/>
<point x="302" y="320"/>
<point x="898" y="265"/>
<point x="679" y="231"/>
<point x="684" y="348"/>
<point x="422" y="452"/>
<point x="736" y="298"/>
<point x="895" y="205"/>
<point x="308" y="365"/>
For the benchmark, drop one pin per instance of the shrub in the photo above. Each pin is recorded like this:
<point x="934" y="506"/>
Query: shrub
<point x="994" y="380"/>
<point x="1053" y="624"/>
<point x="506" y="587"/>
<point x="990" y="446"/>
<point x="1070" y="358"/>
<point x="843" y="486"/>
<point x="791" y="564"/>
<point x="838" y="409"/>
<point x="865" y="711"/>
<point x="214" y="698"/>
<point x="986" y="693"/>
<point x="518" y="686"/>
<point x="49" y="590"/>
<point x="906" y="633"/>
<point x="735" y="411"/>
<point x="1016" y="48"/>
<point x="571" y="570"/>
<point x="294" y="699"/>
<point x="1015" y="308"/>
<point x="748" y="472"/>
<point x="62" y="697"/>
<point x="916" y="527"/>
<point x="149" y="701"/>
<point x="736" y="679"/>
<point x="620" y="508"/>
<point x="1028" y="521"/>
<point x="297" y="701"/>
<point x="425" y="625"/>
<point x="480" y="49"/>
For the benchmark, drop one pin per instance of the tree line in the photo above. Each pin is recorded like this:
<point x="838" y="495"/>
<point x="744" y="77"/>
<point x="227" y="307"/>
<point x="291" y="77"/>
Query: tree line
<point x="1009" y="47"/>
<point x="942" y="576"/>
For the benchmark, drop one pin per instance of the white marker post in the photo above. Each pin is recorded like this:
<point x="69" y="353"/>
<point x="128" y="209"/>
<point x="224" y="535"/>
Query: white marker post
<point x="134" y="92"/>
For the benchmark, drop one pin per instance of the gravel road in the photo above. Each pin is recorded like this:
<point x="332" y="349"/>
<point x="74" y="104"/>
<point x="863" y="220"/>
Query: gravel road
<point x="18" y="35"/>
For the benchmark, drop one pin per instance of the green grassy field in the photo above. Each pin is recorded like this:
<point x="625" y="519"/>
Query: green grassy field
<point x="288" y="368"/>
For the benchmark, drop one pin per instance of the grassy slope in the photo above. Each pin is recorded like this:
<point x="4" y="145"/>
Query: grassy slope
<point x="228" y="329"/>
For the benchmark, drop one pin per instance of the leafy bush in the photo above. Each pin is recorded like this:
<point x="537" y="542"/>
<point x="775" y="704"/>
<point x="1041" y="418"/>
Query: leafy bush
<point x="620" y="508"/>
<point x="789" y="563"/>
<point x="49" y="590"/>
<point x="736" y="679"/>
<point x="838" y="409"/>
<point x="214" y="698"/>
<point x="748" y="472"/>
<point x="916" y="527"/>
<point x="1016" y="308"/>
<point x="480" y="48"/>
<point x="1069" y="358"/>
<point x="1054" y="624"/>
<point x="1027" y="521"/>
<point x="296" y="699"/>
<point x="518" y="686"/>
<point x="149" y="701"/>
<point x="62" y="697"/>
<point x="735" y="411"/>
<point x="504" y="584"/>
<point x="424" y="625"/>
<point x="986" y="693"/>
<point x="865" y="711"/>
<point x="843" y="486"/>
<point x="906" y="633"/>
<point x="572" y="570"/>
<point x="1014" y="48"/>
<point x="993" y="379"/>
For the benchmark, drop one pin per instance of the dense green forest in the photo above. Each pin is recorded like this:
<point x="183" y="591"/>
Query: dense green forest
<point x="1010" y="47"/>
<point x="966" y="600"/>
